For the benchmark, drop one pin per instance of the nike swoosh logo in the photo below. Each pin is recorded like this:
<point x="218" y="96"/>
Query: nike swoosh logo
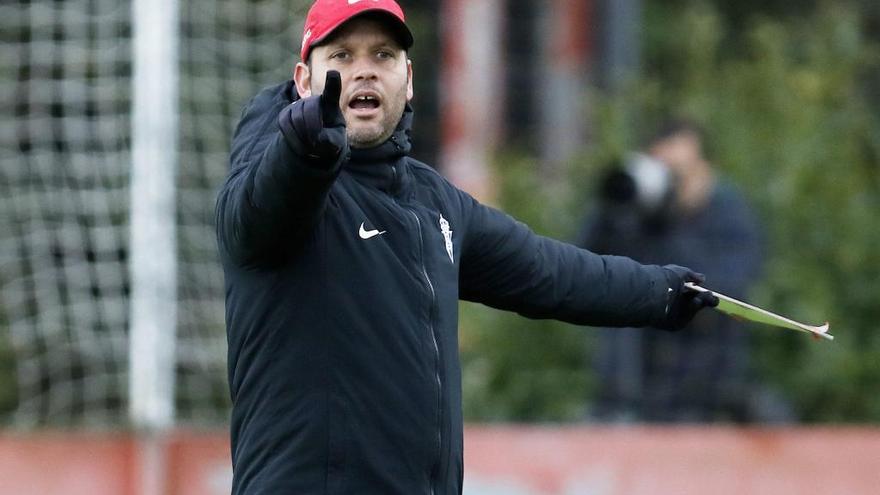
<point x="366" y="234"/>
<point x="352" y="2"/>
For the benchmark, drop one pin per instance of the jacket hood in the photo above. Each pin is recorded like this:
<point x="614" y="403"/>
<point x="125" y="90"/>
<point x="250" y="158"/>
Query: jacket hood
<point x="394" y="147"/>
<point x="382" y="166"/>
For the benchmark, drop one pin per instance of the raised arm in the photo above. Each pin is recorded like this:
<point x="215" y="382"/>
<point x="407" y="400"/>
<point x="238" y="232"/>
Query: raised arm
<point x="284" y="160"/>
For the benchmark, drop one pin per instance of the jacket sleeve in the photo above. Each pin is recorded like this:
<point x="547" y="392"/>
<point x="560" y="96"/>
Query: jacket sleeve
<point x="507" y="266"/>
<point x="273" y="195"/>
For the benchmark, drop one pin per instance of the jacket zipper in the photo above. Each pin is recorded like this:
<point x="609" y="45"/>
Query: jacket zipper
<point x="432" y="331"/>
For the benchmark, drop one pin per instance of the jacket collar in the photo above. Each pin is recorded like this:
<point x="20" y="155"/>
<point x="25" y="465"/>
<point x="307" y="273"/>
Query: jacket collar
<point x="383" y="166"/>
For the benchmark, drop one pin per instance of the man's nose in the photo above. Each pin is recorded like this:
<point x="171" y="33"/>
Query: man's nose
<point x="365" y="69"/>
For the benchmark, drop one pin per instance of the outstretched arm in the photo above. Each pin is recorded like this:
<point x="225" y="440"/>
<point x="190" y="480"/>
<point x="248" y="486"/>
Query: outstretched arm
<point x="507" y="266"/>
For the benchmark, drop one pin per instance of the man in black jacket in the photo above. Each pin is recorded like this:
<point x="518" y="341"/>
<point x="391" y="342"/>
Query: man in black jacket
<point x="345" y="260"/>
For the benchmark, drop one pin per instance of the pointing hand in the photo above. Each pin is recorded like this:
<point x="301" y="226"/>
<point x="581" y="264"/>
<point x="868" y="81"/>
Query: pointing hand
<point x="317" y="122"/>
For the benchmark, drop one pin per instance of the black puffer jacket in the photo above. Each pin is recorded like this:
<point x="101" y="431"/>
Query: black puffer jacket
<point x="342" y="289"/>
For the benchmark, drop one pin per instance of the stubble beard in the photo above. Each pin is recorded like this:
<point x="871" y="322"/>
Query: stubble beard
<point x="374" y="134"/>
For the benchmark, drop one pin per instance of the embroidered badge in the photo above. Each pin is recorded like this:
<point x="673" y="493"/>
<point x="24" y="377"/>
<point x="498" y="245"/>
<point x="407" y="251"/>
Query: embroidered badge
<point x="447" y="236"/>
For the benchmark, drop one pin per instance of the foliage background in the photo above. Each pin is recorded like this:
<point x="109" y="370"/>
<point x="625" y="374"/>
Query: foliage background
<point x="788" y="91"/>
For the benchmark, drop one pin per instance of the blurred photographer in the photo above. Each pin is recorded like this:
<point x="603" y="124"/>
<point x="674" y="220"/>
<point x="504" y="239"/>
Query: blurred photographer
<point x="668" y="205"/>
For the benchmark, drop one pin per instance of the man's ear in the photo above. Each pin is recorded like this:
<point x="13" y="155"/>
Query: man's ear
<point x="409" y="80"/>
<point x="302" y="76"/>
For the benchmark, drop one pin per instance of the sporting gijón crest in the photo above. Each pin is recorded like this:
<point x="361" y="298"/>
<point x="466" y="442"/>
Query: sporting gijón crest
<point x="447" y="236"/>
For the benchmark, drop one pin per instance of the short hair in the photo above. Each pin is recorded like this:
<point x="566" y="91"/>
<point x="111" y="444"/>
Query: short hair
<point x="676" y="127"/>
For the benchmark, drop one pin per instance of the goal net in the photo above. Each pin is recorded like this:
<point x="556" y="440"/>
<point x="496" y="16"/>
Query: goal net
<point x="65" y="167"/>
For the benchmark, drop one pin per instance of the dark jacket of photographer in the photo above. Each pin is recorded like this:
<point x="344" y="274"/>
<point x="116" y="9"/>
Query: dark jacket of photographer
<point x="342" y="289"/>
<point x="701" y="373"/>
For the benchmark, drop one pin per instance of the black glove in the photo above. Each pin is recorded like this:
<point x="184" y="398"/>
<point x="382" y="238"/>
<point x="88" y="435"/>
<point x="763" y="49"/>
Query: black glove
<point x="683" y="303"/>
<point x="317" y="123"/>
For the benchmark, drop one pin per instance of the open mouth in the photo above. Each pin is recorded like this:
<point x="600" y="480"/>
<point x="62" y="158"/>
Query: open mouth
<point x="364" y="102"/>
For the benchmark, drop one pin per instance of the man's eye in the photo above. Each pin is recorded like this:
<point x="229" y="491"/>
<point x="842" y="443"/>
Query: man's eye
<point x="340" y="55"/>
<point x="385" y="54"/>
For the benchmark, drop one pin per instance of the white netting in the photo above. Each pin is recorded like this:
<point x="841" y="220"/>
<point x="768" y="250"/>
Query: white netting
<point x="229" y="50"/>
<point x="65" y="134"/>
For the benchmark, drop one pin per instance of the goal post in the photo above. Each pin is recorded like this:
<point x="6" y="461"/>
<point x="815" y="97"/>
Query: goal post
<point x="115" y="122"/>
<point x="153" y="228"/>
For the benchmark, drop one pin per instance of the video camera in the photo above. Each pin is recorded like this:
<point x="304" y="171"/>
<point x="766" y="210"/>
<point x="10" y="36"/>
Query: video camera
<point x="639" y="181"/>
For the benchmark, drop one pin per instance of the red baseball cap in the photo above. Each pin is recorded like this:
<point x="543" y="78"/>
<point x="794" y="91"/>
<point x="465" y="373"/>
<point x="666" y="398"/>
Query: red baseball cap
<point x="326" y="16"/>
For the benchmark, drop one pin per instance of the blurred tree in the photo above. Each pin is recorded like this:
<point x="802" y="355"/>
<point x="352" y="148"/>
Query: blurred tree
<point x="785" y="92"/>
<point x="514" y="369"/>
<point x="791" y="121"/>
